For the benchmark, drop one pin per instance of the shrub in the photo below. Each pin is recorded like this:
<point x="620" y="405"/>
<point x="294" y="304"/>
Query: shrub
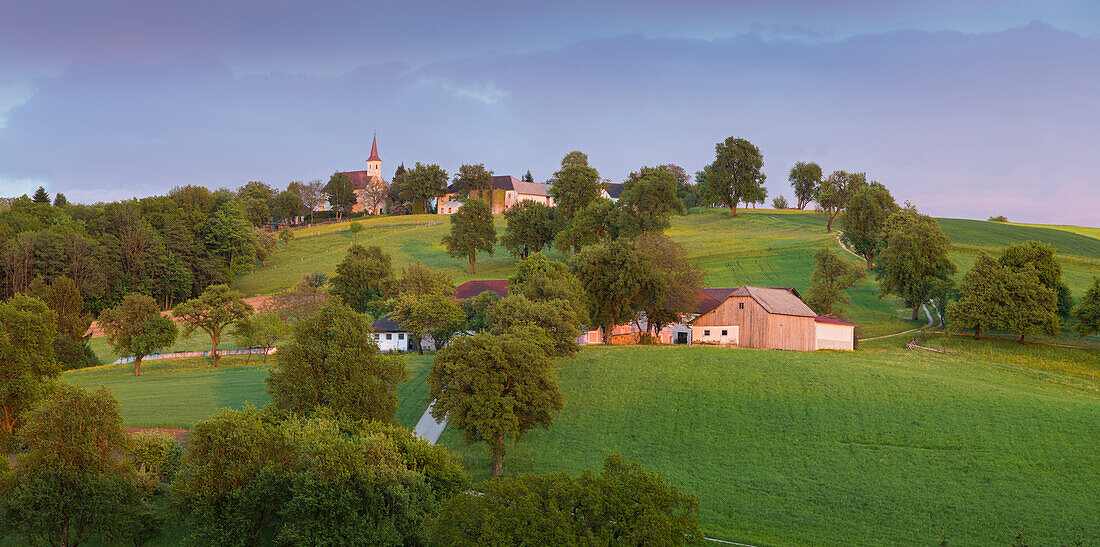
<point x="779" y="202"/>
<point x="998" y="218"/>
<point x="157" y="454"/>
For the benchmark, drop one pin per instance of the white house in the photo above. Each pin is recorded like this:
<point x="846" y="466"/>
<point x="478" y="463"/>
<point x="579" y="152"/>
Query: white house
<point x="391" y="336"/>
<point x="506" y="192"/>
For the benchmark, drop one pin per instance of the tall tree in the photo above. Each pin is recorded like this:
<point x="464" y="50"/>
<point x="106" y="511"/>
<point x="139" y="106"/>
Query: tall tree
<point x="1033" y="306"/>
<point x="575" y="185"/>
<point x="474" y="180"/>
<point x="364" y="276"/>
<point x="229" y="236"/>
<point x="416" y="279"/>
<point x="805" y="177"/>
<point x="41" y="196"/>
<point x="255" y="199"/>
<point x="1041" y="256"/>
<point x="215" y="309"/>
<point x="527" y="177"/>
<point x="313" y="196"/>
<point x="864" y="218"/>
<point x="593" y="223"/>
<point x="260" y="330"/>
<point x="832" y="276"/>
<point x="492" y="387"/>
<point x="396" y="204"/>
<point x="135" y="328"/>
<point x="27" y="330"/>
<point x="433" y="315"/>
<point x="423" y="183"/>
<point x="287" y="207"/>
<point x="543" y="280"/>
<point x="648" y="200"/>
<point x="834" y="192"/>
<point x="672" y="284"/>
<point x="913" y="258"/>
<point x="553" y="324"/>
<point x="613" y="276"/>
<point x="70" y="347"/>
<point x="374" y="194"/>
<point x="341" y="194"/>
<point x="736" y="174"/>
<point x="1087" y="311"/>
<point x="983" y="300"/>
<point x="332" y="361"/>
<point x="472" y="231"/>
<point x="531" y="226"/>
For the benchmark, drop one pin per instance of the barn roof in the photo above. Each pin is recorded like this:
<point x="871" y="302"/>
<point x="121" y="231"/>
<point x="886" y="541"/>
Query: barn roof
<point x="471" y="289"/>
<point x="776" y="300"/>
<point x="386" y="323"/>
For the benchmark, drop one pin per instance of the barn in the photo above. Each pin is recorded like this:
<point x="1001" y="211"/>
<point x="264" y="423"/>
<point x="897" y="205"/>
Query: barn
<point x="765" y="318"/>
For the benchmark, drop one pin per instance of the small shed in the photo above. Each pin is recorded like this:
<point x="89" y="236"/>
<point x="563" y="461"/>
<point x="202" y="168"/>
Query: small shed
<point x="834" y="334"/>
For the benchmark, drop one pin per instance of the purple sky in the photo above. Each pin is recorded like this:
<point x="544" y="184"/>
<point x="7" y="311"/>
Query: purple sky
<point x="967" y="109"/>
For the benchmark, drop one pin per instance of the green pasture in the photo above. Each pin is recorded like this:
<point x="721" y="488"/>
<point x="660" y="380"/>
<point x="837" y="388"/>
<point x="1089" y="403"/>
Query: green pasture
<point x="198" y="341"/>
<point x="879" y="447"/>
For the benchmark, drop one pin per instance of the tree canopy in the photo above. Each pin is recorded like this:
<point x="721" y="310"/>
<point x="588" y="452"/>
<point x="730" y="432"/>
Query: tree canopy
<point x="648" y="201"/>
<point x="531" y="226"/>
<point x="613" y="276"/>
<point x="471" y="232"/>
<point x="135" y="328"/>
<point x="434" y="315"/>
<point x="575" y="185"/>
<point x="913" y="258"/>
<point x="834" y="192"/>
<point x="341" y="194"/>
<point x="216" y="308"/>
<point x="363" y="277"/>
<point x="421" y="184"/>
<point x="832" y="276"/>
<point x="27" y="364"/>
<point x="672" y="283"/>
<point x="864" y="217"/>
<point x="1087" y="311"/>
<point x="805" y="177"/>
<point x="736" y="175"/>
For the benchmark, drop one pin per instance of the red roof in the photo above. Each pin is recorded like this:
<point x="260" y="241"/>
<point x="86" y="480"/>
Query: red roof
<point x="707" y="302"/>
<point x="831" y="321"/>
<point x="470" y="289"/>
<point x="358" y="179"/>
<point x="374" y="150"/>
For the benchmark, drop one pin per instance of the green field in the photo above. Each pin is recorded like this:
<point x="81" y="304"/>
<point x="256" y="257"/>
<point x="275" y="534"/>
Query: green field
<point x="198" y="341"/>
<point x="887" y="448"/>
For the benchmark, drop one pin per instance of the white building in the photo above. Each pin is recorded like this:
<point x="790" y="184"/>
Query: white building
<point x="391" y="336"/>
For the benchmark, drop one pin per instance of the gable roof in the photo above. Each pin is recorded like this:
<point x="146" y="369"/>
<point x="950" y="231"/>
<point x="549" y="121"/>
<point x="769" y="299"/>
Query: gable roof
<point x="387" y="324"/>
<point x="471" y="289"/>
<point x="508" y="182"/>
<point x="358" y="179"/>
<point x="776" y="300"/>
<point x="614" y="190"/>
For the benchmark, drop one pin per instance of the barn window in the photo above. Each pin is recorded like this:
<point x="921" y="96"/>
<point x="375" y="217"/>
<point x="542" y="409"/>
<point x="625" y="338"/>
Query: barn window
<point x="724" y="333"/>
<point x="706" y="333"/>
<point x="740" y="305"/>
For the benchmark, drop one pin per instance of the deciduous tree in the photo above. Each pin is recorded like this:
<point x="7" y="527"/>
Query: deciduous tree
<point x="70" y="346"/>
<point x="27" y="330"/>
<point x="1088" y="310"/>
<point x="1041" y="256"/>
<point x="805" y="177"/>
<point x="864" y="218"/>
<point x="472" y="231"/>
<point x="672" y="283"/>
<point x="648" y="201"/>
<point x="913" y="258"/>
<point x="216" y="308"/>
<point x="313" y="196"/>
<point x="492" y="387"/>
<point x="363" y="277"/>
<point x="474" y="180"/>
<point x="555" y="320"/>
<point x="834" y="192"/>
<point x="421" y="184"/>
<point x="341" y="194"/>
<point x="575" y="185"/>
<point x="260" y="330"/>
<point x="531" y="226"/>
<point x="832" y="276"/>
<point x="287" y="207"/>
<point x="135" y="328"/>
<point x="417" y="279"/>
<point x="736" y="175"/>
<point x="983" y="298"/>
<point x="434" y="315"/>
<point x="613" y="276"/>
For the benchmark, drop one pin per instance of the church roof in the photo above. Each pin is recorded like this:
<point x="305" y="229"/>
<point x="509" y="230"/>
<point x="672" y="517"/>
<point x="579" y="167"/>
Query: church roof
<point x="358" y="179"/>
<point x="374" y="150"/>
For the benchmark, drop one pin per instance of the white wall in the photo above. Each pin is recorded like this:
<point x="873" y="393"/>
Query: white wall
<point x="830" y="336"/>
<point x="392" y="341"/>
<point x="713" y="335"/>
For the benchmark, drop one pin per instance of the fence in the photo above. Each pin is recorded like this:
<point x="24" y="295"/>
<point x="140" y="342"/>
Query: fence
<point x="183" y="354"/>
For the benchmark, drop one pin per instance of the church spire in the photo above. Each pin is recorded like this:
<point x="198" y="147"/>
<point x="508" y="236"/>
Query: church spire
<point x="374" y="150"/>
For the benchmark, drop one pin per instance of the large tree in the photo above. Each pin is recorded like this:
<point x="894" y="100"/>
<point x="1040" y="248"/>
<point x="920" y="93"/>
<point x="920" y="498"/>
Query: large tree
<point x="555" y="324"/>
<point x="543" y="280"/>
<point x="913" y="258"/>
<point x="363" y="277"/>
<point x="313" y="196"/>
<point x="864" y="217"/>
<point x="613" y="276"/>
<point x="1087" y="311"/>
<point x="982" y="303"/>
<point x="260" y="330"/>
<point x="135" y="328"/>
<point x="736" y="175"/>
<point x="332" y="361"/>
<point x="27" y="330"/>
<point x="593" y="223"/>
<point x="575" y="185"/>
<point x="648" y="201"/>
<point x="805" y="177"/>
<point x="492" y="387"/>
<point x="472" y="231"/>
<point x="70" y="346"/>
<point x="228" y="235"/>
<point x="832" y="276"/>
<point x="672" y="284"/>
<point x="373" y="194"/>
<point x="834" y="192"/>
<point x="474" y="180"/>
<point x="215" y="309"/>
<point x="434" y="315"/>
<point x="341" y="194"/>
<point x="418" y="280"/>
<point x="1041" y="256"/>
<point x="287" y="207"/>
<point x="531" y="226"/>
<point x="421" y="184"/>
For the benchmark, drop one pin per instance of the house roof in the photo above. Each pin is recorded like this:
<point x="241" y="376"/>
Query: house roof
<point x="614" y="189"/>
<point x="776" y="300"/>
<point x="471" y="289"/>
<point x="832" y="321"/>
<point x="706" y="302"/>
<point x="374" y="150"/>
<point x="358" y="179"/>
<point x="387" y="324"/>
<point x="508" y="182"/>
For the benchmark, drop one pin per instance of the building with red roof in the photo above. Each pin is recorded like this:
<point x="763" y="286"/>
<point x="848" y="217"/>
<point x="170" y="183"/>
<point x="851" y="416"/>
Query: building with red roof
<point x="471" y="289"/>
<point x="368" y="183"/>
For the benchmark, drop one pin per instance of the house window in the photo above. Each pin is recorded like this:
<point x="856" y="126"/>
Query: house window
<point x="401" y="336"/>
<point x="706" y="333"/>
<point x="724" y="333"/>
<point x="740" y="305"/>
<point x="389" y="336"/>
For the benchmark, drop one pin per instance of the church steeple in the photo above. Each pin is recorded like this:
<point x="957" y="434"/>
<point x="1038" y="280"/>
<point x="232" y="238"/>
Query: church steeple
<point x="374" y="162"/>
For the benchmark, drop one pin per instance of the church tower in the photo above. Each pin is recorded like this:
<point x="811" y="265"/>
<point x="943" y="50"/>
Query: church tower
<point x="374" y="163"/>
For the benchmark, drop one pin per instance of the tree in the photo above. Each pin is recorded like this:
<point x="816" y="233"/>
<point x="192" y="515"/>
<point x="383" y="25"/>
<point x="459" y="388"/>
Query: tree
<point x="1088" y="310"/>
<point x="332" y="361"/>
<point x="805" y="177"/>
<point x="363" y="277"/>
<point x="543" y="280"/>
<point x="624" y="505"/>
<point x="70" y="346"/>
<point x="864" y="217"/>
<point x="492" y="387"/>
<point x="832" y="276"/>
<point x="556" y="322"/>
<point x="27" y="330"/>
<point x="313" y="196"/>
<point x="648" y="200"/>
<point x="913" y="257"/>
<point x="41" y="196"/>
<point x="266" y="244"/>
<point x="135" y="328"/>
<point x="341" y="194"/>
<point x="1032" y="306"/>
<point x="998" y="218"/>
<point x="216" y="308"/>
<point x="471" y="231"/>
<point x="229" y="236"/>
<point x="834" y="192"/>
<point x="287" y="207"/>
<point x="1041" y="256"/>
<point x="527" y="177"/>
<point x="355" y="227"/>
<point x="286" y="235"/>
<point x="421" y="184"/>
<point x="736" y="174"/>
<point x="255" y="199"/>
<point x="474" y="180"/>
<point x="434" y="315"/>
<point x="672" y="283"/>
<point x="59" y="200"/>
<point x="531" y="226"/>
<point x="396" y="204"/>
<point x="779" y="202"/>
<point x="613" y="276"/>
<point x="982" y="303"/>
<point x="575" y="184"/>
<point x="593" y="223"/>
<point x="418" y="280"/>
<point x="260" y="330"/>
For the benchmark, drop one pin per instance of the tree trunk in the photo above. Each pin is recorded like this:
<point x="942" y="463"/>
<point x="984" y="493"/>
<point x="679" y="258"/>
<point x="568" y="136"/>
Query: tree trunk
<point x="137" y="366"/>
<point x="214" y="349"/>
<point x="733" y="210"/>
<point x="977" y="333"/>
<point x="916" y="310"/>
<point x="419" y="345"/>
<point x="472" y="258"/>
<point x="498" y="456"/>
<point x="829" y="225"/>
<point x="870" y="262"/>
<point x="1021" y="339"/>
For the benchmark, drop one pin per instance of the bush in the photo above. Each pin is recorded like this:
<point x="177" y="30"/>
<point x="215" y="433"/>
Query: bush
<point x="779" y="202"/>
<point x="316" y="280"/>
<point x="998" y="218"/>
<point x="156" y="454"/>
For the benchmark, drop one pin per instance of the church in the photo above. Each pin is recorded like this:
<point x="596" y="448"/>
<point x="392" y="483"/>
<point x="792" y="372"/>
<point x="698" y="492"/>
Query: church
<point x="370" y="187"/>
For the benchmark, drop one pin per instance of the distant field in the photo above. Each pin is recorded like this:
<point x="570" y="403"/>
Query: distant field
<point x="880" y="447"/>
<point x="1081" y="230"/>
<point x="178" y="393"/>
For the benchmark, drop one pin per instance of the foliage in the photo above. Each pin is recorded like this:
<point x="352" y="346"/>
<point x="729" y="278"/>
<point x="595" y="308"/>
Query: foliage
<point x="591" y="224"/>
<point x="355" y="227"/>
<point x="260" y="330"/>
<point x="286" y="235"/>
<point x="313" y="195"/>
<point x="332" y="361"/>
<point x="556" y="320"/>
<point x="624" y="504"/>
<point x="1010" y="298"/>
<point x="648" y="200"/>
<point x="834" y="192"/>
<point x="831" y="278"/>
<point x="27" y="330"/>
<point x="74" y="430"/>
<point x="136" y="328"/>
<point x="70" y="346"/>
<point x="255" y="199"/>
<point x="998" y="218"/>
<point x="864" y="217"/>
<point x="373" y="195"/>
<point x="736" y="174"/>
<point x="317" y="480"/>
<point x="418" y="280"/>
<point x="477" y="310"/>
<point x="805" y="177"/>
<point x="613" y="276"/>
<point x="421" y="184"/>
<point x="1041" y="256"/>
<point x="341" y="193"/>
<point x="1088" y="310"/>
<point x="228" y="234"/>
<point x="433" y="315"/>
<point x="575" y="185"/>
<point x="543" y="280"/>
<point x="363" y="277"/>
<point x="472" y="231"/>
<point x="287" y="207"/>
<point x="300" y="302"/>
<point x="216" y="308"/>
<point x="156" y="454"/>
<point x="913" y="258"/>
<point x="473" y="180"/>
<point x="981" y="305"/>
<point x="779" y="202"/>
<point x="266" y="244"/>
<point x="41" y="196"/>
<point x="492" y="387"/>
<point x="531" y="227"/>
<point x="672" y="283"/>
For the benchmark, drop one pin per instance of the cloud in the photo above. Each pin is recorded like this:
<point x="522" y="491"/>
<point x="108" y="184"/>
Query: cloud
<point x="487" y="93"/>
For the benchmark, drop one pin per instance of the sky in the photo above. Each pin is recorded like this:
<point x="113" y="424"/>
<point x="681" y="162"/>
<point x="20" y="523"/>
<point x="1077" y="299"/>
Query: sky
<point x="964" y="108"/>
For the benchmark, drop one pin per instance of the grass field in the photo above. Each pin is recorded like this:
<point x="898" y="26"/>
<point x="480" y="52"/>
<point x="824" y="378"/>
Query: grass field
<point x="887" y="448"/>
<point x="178" y="393"/>
<point x="198" y="341"/>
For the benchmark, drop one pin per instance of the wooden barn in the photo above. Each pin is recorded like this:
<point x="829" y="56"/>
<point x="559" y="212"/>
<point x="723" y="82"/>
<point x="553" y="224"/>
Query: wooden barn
<point x="756" y="317"/>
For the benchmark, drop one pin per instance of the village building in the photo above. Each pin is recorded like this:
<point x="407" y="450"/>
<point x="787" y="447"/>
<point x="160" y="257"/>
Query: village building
<point x="392" y="336"/>
<point x="471" y="289"/>
<point x="612" y="191"/>
<point x="767" y="318"/>
<point x="506" y="192"/>
<point x="369" y="181"/>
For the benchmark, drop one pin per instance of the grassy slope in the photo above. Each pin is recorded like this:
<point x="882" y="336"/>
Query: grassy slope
<point x="198" y="341"/>
<point x="891" y="447"/>
<point x="1081" y="230"/>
